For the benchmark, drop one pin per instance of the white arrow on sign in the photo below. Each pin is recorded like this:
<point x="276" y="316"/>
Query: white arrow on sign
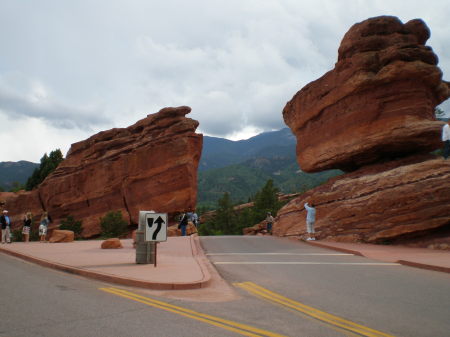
<point x="155" y="226"/>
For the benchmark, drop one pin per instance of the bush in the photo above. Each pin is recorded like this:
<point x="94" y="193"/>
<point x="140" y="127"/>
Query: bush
<point x="69" y="223"/>
<point x="17" y="235"/>
<point x="113" y="225"/>
<point x="34" y="234"/>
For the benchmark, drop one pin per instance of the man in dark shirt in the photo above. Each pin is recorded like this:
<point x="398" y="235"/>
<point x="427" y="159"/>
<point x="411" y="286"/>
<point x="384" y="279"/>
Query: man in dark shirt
<point x="6" y="227"/>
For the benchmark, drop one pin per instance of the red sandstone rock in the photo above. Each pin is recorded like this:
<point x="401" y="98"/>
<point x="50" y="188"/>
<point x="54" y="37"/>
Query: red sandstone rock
<point x="260" y="228"/>
<point x="149" y="165"/>
<point x="59" y="235"/>
<point x="113" y="243"/>
<point x="377" y="103"/>
<point x="385" y="202"/>
<point x="19" y="203"/>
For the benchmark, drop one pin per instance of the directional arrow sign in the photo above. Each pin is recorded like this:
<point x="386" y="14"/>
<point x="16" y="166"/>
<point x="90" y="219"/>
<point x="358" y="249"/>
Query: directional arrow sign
<point x="155" y="226"/>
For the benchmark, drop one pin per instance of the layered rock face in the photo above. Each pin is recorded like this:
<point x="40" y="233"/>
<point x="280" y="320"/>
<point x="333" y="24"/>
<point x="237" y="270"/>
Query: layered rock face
<point x="151" y="165"/>
<point x="378" y="101"/>
<point x="401" y="199"/>
<point x="373" y="116"/>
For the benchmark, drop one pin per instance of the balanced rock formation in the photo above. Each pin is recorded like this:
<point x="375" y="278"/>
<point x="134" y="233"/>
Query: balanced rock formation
<point x="151" y="165"/>
<point x="373" y="116"/>
<point x="378" y="102"/>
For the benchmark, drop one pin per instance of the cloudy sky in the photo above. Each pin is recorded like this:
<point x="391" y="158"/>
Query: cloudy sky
<point x="69" y="69"/>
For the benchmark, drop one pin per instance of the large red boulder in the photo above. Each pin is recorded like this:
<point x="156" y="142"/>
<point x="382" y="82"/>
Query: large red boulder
<point x="151" y="165"/>
<point x="113" y="243"/>
<point x="377" y="103"/>
<point x="59" y="235"/>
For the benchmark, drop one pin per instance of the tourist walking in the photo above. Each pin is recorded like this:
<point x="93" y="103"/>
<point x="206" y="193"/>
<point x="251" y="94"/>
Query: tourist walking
<point x="6" y="227"/>
<point x="26" y="227"/>
<point x="310" y="219"/>
<point x="269" y="220"/>
<point x="446" y="139"/>
<point x="43" y="225"/>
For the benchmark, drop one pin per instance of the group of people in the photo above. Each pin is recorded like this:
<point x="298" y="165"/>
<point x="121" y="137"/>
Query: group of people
<point x="185" y="218"/>
<point x="5" y="221"/>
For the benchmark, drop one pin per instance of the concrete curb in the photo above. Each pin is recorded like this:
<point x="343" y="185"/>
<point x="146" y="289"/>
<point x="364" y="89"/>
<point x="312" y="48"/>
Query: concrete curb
<point x="338" y="249"/>
<point x="201" y="259"/>
<point x="424" y="266"/>
<point x="195" y="247"/>
<point x="402" y="262"/>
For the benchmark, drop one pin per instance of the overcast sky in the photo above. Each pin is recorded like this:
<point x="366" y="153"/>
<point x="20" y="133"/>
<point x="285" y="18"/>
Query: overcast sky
<point x="69" y="69"/>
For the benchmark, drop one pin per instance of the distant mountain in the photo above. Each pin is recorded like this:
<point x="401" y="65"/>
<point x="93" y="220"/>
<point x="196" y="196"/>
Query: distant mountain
<point x="15" y="172"/>
<point x="241" y="168"/>
<point x="220" y="152"/>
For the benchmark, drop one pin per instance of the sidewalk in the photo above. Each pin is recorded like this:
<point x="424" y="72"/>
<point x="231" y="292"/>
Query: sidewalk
<point x="181" y="263"/>
<point x="438" y="260"/>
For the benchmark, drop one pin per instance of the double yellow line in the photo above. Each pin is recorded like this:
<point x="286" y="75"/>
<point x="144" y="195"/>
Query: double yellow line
<point x="310" y="311"/>
<point x="242" y="329"/>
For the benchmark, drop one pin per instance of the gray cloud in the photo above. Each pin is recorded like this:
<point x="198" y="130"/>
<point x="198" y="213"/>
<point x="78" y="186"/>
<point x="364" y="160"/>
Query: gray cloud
<point x="98" y="64"/>
<point x="17" y="106"/>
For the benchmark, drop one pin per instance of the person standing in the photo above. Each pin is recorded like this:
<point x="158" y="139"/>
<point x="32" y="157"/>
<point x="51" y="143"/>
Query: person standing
<point x="183" y="224"/>
<point x="26" y="227"/>
<point x="43" y="225"/>
<point x="269" y="219"/>
<point x="6" y="227"/>
<point x="195" y="219"/>
<point x="446" y="139"/>
<point x="310" y="219"/>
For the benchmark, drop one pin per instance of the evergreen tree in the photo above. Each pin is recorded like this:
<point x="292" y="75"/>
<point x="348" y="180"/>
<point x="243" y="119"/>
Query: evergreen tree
<point x="47" y="166"/>
<point x="225" y="219"/>
<point x="266" y="200"/>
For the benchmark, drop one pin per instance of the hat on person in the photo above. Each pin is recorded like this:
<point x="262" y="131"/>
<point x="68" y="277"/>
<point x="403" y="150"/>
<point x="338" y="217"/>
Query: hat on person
<point x="5" y="211"/>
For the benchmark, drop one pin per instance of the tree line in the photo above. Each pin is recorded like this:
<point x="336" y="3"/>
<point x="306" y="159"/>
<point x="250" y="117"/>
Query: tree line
<point x="228" y="221"/>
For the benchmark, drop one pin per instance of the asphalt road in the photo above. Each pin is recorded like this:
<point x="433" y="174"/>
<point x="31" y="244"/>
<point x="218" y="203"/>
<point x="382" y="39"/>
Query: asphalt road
<point x="41" y="302"/>
<point x="393" y="299"/>
<point x="283" y="288"/>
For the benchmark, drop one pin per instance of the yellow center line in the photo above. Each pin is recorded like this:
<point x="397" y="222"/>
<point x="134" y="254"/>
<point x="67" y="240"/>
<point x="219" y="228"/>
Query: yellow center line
<point x="239" y="328"/>
<point x="313" y="312"/>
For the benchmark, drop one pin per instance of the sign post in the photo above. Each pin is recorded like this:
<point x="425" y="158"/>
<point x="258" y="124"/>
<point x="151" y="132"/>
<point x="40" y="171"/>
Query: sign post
<point x="153" y="229"/>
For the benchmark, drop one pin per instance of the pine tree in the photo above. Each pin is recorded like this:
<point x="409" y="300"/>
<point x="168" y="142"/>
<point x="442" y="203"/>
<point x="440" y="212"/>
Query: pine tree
<point x="225" y="220"/>
<point x="266" y="200"/>
<point x="47" y="166"/>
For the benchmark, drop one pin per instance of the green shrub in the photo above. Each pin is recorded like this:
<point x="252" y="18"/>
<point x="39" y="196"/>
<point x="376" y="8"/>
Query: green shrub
<point x="17" y="235"/>
<point x="113" y="225"/>
<point x="34" y="234"/>
<point x="69" y="223"/>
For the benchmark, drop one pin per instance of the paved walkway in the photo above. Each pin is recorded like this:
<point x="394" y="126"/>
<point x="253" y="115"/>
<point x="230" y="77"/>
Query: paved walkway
<point x="181" y="263"/>
<point x="425" y="258"/>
